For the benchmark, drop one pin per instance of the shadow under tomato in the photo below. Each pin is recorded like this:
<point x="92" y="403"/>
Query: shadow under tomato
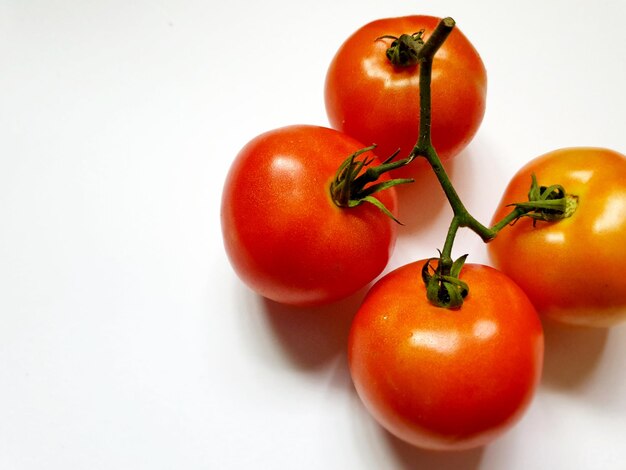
<point x="571" y="353"/>
<point x="410" y="457"/>
<point x="311" y="337"/>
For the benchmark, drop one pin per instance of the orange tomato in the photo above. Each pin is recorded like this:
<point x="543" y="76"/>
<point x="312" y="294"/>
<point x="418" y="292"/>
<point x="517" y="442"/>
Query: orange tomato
<point x="571" y="269"/>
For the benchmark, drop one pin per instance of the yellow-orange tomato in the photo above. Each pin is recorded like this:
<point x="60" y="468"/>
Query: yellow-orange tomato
<point x="571" y="269"/>
<point x="446" y="379"/>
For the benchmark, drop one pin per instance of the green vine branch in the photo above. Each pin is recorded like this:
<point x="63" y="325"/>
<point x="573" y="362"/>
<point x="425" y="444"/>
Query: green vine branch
<point x="444" y="288"/>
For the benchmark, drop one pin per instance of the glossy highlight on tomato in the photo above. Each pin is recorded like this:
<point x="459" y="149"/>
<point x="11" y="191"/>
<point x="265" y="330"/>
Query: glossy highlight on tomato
<point x="446" y="379"/>
<point x="284" y="235"/>
<point x="378" y="103"/>
<point x="572" y="269"/>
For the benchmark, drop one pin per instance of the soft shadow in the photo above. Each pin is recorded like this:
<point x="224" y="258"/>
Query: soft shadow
<point x="571" y="353"/>
<point x="410" y="457"/>
<point x="313" y="336"/>
<point x="420" y="202"/>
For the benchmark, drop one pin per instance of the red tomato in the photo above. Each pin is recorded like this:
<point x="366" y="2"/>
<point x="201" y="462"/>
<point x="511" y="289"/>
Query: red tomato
<point x="378" y="103"/>
<point x="284" y="235"/>
<point x="446" y="379"/>
<point x="572" y="269"/>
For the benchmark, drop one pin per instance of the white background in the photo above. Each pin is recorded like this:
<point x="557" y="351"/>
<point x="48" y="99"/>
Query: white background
<point x="127" y="342"/>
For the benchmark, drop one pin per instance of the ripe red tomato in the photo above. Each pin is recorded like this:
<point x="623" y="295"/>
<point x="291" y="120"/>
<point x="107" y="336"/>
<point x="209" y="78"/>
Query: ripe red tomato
<point x="572" y="269"/>
<point x="284" y="235"/>
<point x="378" y="103"/>
<point x="446" y="379"/>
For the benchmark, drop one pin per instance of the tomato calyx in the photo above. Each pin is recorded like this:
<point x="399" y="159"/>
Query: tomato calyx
<point x="547" y="203"/>
<point x="404" y="50"/>
<point x="355" y="181"/>
<point x="443" y="286"/>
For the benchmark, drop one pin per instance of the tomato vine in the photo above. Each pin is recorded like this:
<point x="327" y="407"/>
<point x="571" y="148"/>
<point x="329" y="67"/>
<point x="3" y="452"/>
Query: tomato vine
<point x="443" y="285"/>
<point x="302" y="224"/>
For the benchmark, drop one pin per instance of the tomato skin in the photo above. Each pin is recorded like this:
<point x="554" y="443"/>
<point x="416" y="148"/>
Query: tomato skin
<point x="573" y="269"/>
<point x="446" y="379"/>
<point x="284" y="236"/>
<point x="376" y="102"/>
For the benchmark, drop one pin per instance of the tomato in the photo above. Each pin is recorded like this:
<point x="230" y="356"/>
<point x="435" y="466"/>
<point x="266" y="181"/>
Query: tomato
<point x="572" y="269"/>
<point x="283" y="233"/>
<point x="378" y="103"/>
<point x="446" y="379"/>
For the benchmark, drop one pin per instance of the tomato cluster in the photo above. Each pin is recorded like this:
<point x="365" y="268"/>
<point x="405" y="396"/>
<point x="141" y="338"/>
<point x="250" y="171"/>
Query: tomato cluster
<point x="308" y="217"/>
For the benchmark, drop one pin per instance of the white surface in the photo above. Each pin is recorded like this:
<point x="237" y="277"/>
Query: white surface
<point x="126" y="341"/>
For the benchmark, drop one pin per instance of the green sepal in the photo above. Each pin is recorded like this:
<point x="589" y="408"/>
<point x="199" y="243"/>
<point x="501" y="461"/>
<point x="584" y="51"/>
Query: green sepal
<point x="374" y="188"/>
<point x="377" y="203"/>
<point x="404" y="50"/>
<point x="445" y="290"/>
<point x="355" y="183"/>
<point x="547" y="203"/>
<point x="455" y="270"/>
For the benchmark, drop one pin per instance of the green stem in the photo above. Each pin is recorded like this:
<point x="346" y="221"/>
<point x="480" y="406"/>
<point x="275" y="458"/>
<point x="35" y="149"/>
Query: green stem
<point x="424" y="148"/>
<point x="437" y="38"/>
<point x="445" y="259"/>
<point x="506" y="220"/>
<point x="426" y="56"/>
<point x="424" y="142"/>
